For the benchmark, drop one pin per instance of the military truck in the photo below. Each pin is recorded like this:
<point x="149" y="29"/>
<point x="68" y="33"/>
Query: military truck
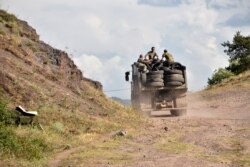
<point x="159" y="88"/>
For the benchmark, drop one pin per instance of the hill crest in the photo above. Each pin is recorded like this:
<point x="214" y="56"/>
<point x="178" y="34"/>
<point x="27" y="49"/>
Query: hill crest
<point x="31" y="70"/>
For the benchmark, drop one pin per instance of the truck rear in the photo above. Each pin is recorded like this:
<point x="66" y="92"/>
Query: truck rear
<point x="162" y="88"/>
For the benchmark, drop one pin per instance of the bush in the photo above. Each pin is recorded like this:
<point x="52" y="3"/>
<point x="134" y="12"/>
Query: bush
<point x="7" y="116"/>
<point x="218" y="76"/>
<point x="7" y="17"/>
<point x="29" y="146"/>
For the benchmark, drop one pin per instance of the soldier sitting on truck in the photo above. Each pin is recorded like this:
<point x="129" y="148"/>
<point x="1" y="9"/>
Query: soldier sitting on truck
<point x="168" y="58"/>
<point x="141" y="63"/>
<point x="152" y="57"/>
<point x="151" y="54"/>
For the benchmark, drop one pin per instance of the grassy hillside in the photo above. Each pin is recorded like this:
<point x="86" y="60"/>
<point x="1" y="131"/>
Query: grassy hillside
<point x="241" y="80"/>
<point x="73" y="110"/>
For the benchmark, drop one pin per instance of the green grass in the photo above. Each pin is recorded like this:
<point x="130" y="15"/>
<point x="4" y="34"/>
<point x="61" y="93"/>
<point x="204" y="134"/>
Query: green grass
<point x="242" y="80"/>
<point x="102" y="152"/>
<point x="4" y="16"/>
<point x="173" y="144"/>
<point x="28" y="146"/>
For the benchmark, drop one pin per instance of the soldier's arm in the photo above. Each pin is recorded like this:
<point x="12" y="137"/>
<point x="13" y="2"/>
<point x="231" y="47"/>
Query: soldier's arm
<point x="146" y="56"/>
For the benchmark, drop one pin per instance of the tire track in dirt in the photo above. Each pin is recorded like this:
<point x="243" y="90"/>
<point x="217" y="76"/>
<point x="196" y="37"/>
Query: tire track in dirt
<point x="56" y="161"/>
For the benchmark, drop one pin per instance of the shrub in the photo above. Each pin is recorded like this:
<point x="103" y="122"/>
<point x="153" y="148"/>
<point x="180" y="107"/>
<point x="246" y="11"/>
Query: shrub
<point x="219" y="75"/>
<point x="29" y="146"/>
<point x="7" y="116"/>
<point x="7" y="17"/>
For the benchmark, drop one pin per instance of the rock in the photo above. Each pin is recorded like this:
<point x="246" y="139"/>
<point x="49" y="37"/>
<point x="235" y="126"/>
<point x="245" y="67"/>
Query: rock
<point x="121" y="133"/>
<point x="166" y="128"/>
<point x="67" y="147"/>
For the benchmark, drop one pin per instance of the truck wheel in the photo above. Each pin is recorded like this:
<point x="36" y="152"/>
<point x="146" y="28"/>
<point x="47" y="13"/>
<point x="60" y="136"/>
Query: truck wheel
<point x="174" y="77"/>
<point x="173" y="83"/>
<point x="180" y="105"/>
<point x="156" y="84"/>
<point x="178" y="112"/>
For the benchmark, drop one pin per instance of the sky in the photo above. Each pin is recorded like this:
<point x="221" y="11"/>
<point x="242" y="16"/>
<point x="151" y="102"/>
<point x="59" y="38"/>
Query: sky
<point x="104" y="37"/>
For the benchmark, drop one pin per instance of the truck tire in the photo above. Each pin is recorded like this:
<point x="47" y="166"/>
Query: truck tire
<point x="174" y="71"/>
<point x="174" y="77"/>
<point x="154" y="76"/>
<point x="156" y="72"/>
<point x="156" y="84"/>
<point x="178" y="112"/>
<point x="180" y="105"/>
<point x="173" y="83"/>
<point x="155" y="80"/>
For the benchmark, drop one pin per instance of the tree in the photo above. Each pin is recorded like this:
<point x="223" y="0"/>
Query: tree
<point x="239" y="53"/>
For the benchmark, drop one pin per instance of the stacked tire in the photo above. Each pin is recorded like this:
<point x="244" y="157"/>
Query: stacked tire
<point x="155" y="78"/>
<point x="173" y="77"/>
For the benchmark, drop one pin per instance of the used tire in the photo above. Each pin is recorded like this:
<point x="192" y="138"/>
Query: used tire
<point x="156" y="84"/>
<point x="174" y="77"/>
<point x="155" y="80"/>
<point x="165" y="68"/>
<point x="156" y="72"/>
<point x="173" y="83"/>
<point x="174" y="71"/>
<point x="150" y="76"/>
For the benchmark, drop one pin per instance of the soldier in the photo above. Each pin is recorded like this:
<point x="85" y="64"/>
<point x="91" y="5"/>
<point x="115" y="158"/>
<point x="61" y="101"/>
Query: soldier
<point x="151" y="54"/>
<point x="168" y="57"/>
<point x="140" y="59"/>
<point x="141" y="63"/>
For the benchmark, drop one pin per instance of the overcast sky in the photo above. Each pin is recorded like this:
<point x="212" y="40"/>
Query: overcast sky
<point x="105" y="37"/>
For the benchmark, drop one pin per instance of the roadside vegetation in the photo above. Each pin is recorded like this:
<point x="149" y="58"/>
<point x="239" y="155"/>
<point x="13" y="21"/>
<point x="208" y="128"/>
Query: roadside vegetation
<point x="239" y="59"/>
<point x="27" y="145"/>
<point x="68" y="116"/>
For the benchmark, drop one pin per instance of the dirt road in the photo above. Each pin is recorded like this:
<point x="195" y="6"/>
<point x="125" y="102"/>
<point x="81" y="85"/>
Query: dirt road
<point x="216" y="133"/>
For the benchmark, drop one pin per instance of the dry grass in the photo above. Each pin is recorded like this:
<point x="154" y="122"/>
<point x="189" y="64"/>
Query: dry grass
<point x="241" y="80"/>
<point x="71" y="113"/>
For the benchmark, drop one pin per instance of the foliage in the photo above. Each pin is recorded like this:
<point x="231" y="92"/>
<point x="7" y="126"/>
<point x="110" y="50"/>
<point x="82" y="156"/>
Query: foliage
<point x="239" y="58"/>
<point x="7" y="17"/>
<point x="239" y="53"/>
<point x="219" y="75"/>
<point x="7" y="116"/>
<point x="27" y="147"/>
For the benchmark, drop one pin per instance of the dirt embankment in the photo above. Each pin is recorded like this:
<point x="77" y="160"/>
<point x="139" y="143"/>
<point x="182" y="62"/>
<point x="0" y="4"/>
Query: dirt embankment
<point x="32" y="72"/>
